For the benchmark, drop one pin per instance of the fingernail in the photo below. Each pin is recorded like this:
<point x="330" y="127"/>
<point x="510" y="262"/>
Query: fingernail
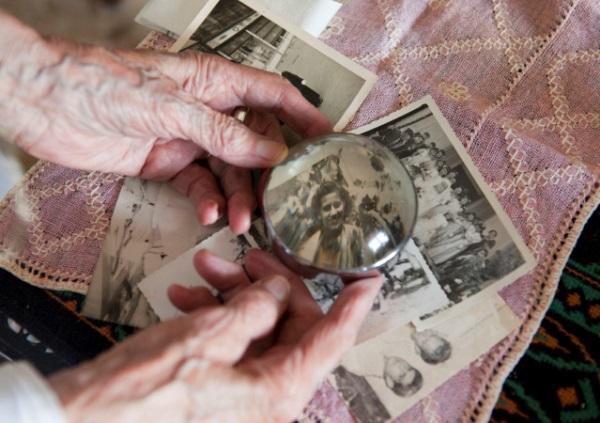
<point x="272" y="151"/>
<point x="278" y="286"/>
<point x="209" y="212"/>
<point x="174" y="287"/>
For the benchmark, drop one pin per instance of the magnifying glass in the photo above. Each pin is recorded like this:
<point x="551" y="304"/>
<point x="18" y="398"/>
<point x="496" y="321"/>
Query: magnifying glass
<point x="341" y="204"/>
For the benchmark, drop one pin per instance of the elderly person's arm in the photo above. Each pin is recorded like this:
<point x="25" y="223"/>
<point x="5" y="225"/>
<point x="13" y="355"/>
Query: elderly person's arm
<point x="148" y="114"/>
<point x="257" y="358"/>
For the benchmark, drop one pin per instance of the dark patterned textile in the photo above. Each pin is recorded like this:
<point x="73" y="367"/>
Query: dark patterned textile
<point x="558" y="378"/>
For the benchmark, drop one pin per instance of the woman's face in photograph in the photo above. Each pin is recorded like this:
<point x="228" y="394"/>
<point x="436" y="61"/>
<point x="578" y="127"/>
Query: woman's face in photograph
<point x="332" y="211"/>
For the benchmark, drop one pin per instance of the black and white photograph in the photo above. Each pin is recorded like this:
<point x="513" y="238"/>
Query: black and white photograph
<point x="173" y="17"/>
<point x="131" y="243"/>
<point x="224" y="243"/>
<point x="246" y="32"/>
<point x="144" y="234"/>
<point x="462" y="230"/>
<point x="432" y="346"/>
<point x="338" y="204"/>
<point x="324" y="288"/>
<point x="409" y="291"/>
<point x="406" y="274"/>
<point x="401" y="377"/>
<point x="360" y="396"/>
<point x="381" y="378"/>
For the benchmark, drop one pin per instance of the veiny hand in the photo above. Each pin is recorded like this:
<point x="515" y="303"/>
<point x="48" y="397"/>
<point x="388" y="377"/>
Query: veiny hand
<point x="148" y="114"/>
<point x="257" y="358"/>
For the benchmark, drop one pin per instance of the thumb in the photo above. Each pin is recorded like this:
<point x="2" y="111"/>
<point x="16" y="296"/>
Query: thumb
<point x="218" y="134"/>
<point x="320" y="349"/>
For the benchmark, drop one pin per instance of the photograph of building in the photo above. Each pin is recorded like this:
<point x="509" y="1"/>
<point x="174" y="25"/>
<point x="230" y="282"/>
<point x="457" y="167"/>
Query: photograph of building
<point x="234" y="30"/>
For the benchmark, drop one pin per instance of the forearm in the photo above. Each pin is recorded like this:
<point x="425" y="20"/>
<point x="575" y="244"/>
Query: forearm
<point x="18" y="45"/>
<point x="49" y="89"/>
<point x="22" y="55"/>
<point x="135" y="112"/>
<point x="12" y="33"/>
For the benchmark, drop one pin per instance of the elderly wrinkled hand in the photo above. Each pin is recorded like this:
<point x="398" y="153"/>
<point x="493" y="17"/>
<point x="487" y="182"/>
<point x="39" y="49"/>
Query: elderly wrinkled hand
<point x="257" y="358"/>
<point x="149" y="114"/>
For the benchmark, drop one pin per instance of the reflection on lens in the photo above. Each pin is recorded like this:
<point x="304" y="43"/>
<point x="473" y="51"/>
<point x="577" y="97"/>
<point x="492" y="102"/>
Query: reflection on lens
<point x="340" y="203"/>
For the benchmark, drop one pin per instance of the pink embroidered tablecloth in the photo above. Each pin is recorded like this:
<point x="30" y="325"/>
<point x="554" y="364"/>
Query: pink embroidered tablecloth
<point x="519" y="81"/>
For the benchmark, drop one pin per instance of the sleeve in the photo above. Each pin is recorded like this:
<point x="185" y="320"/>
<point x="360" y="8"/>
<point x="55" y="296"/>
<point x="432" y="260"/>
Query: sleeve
<point x="25" y="397"/>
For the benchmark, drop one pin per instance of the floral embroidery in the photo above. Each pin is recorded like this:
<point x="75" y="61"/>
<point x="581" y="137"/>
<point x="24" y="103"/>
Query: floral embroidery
<point x="454" y="90"/>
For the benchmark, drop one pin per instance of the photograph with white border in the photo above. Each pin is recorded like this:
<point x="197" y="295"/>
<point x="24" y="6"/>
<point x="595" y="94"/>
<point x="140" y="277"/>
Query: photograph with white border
<point x="181" y="270"/>
<point x="464" y="233"/>
<point x="385" y="376"/>
<point x="173" y="17"/>
<point x="250" y="33"/>
<point x="145" y="233"/>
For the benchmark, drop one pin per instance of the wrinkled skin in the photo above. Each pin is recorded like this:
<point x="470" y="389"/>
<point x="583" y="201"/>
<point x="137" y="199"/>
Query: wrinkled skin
<point x="257" y="358"/>
<point x="149" y="114"/>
